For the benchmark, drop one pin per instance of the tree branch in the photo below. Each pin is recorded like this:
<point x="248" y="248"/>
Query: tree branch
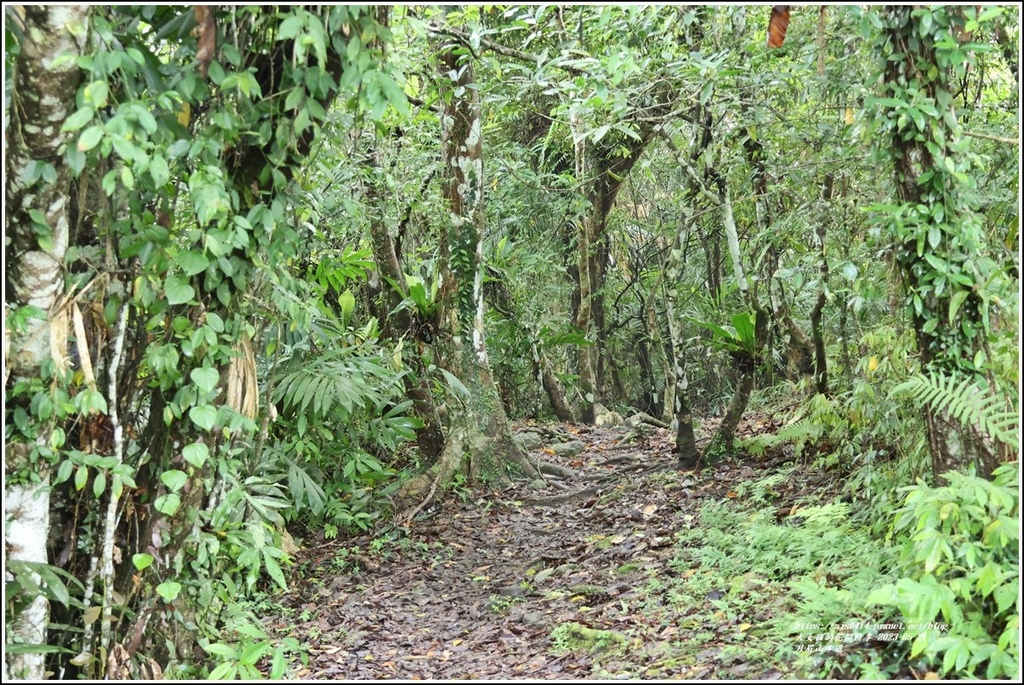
<point x="998" y="139"/>
<point x="464" y="38"/>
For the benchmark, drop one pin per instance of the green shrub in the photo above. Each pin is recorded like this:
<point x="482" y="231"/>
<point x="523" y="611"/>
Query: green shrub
<point x="960" y="555"/>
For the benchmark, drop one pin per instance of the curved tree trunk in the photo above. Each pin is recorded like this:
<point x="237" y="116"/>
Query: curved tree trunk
<point x="552" y="386"/>
<point x="746" y="363"/>
<point x="37" y="224"/>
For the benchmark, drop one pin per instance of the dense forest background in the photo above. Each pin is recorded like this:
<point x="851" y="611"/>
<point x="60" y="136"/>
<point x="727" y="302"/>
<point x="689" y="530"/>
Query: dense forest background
<point x="278" y="273"/>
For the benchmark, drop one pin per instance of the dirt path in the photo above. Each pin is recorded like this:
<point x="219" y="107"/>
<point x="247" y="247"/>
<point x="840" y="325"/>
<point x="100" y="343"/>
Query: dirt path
<point x="506" y="584"/>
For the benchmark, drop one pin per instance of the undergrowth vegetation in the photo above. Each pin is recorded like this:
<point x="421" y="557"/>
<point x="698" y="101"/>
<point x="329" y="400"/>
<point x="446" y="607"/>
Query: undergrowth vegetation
<point x="813" y="591"/>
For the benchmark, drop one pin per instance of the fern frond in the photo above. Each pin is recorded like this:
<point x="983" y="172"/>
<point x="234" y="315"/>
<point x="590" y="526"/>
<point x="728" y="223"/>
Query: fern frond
<point x="799" y="433"/>
<point x="966" y="402"/>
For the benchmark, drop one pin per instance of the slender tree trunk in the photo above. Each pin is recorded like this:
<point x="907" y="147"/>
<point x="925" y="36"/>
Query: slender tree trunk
<point x="820" y="359"/>
<point x="430" y="436"/>
<point x="37" y="225"/>
<point x="584" y="233"/>
<point x="798" y="346"/>
<point x="603" y="176"/>
<point x="660" y="350"/>
<point x="552" y="386"/>
<point x="686" y="452"/>
<point x="746" y="363"/>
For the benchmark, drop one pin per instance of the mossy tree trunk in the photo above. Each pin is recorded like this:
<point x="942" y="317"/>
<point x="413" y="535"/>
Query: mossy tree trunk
<point x="721" y="443"/>
<point x="401" y="321"/>
<point x="953" y="285"/>
<point x="479" y="442"/>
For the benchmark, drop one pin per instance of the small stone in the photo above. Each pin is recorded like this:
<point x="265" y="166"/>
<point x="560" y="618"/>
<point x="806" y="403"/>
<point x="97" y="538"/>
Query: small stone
<point x="532" y="618"/>
<point x="567" y="449"/>
<point x="528" y="441"/>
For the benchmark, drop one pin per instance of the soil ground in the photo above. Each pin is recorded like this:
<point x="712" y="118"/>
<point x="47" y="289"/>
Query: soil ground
<point x="505" y="584"/>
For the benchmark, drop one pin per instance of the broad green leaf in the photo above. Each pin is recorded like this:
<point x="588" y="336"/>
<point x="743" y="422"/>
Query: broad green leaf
<point x="142" y="561"/>
<point x="169" y="590"/>
<point x="205" y="378"/>
<point x="90" y="138"/>
<point x="174" y="479"/>
<point x="955" y="302"/>
<point x="99" y="484"/>
<point x="78" y="120"/>
<point x="159" y="170"/>
<point x="167" y="504"/>
<point x="196" y="454"/>
<point x="192" y="263"/>
<point x="225" y="671"/>
<point x="203" y="416"/>
<point x="178" y="290"/>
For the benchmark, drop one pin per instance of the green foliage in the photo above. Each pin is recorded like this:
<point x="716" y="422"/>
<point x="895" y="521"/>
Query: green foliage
<point x="741" y="563"/>
<point x="29" y="580"/>
<point x="956" y="285"/>
<point x="738" y="338"/>
<point x="340" y="409"/>
<point x="966" y="402"/>
<point x="960" y="559"/>
<point x="243" y="645"/>
<point x="225" y="214"/>
<point x="823" y="536"/>
<point x="798" y="433"/>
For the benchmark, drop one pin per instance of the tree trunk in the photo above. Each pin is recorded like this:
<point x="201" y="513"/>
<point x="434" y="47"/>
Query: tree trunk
<point x="604" y="176"/>
<point x="746" y="362"/>
<point x="721" y="444"/>
<point x="552" y="386"/>
<point x="798" y="345"/>
<point x="820" y="360"/>
<point x="686" y="452"/>
<point x="479" y="440"/>
<point x="37" y="225"/>
<point x="938" y="219"/>
<point x="400" y="321"/>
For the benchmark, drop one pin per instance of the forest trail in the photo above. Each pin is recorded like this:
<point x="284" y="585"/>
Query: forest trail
<point x="499" y="584"/>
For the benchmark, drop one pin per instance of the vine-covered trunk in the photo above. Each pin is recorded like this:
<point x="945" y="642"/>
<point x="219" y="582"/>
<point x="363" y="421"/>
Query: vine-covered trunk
<point x="938" y="244"/>
<point x="479" y="441"/>
<point x="37" y="224"/>
<point x="400" y="321"/>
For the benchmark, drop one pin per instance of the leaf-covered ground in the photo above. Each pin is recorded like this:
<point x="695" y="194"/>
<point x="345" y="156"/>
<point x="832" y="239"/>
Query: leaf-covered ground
<point x="576" y="578"/>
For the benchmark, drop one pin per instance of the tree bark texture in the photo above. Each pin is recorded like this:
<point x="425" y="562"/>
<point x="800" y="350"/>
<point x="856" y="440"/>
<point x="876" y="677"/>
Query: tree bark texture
<point x="953" y="445"/>
<point x="479" y="438"/>
<point x="746" y="362"/>
<point x="37" y="225"/>
<point x="400" y="321"/>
